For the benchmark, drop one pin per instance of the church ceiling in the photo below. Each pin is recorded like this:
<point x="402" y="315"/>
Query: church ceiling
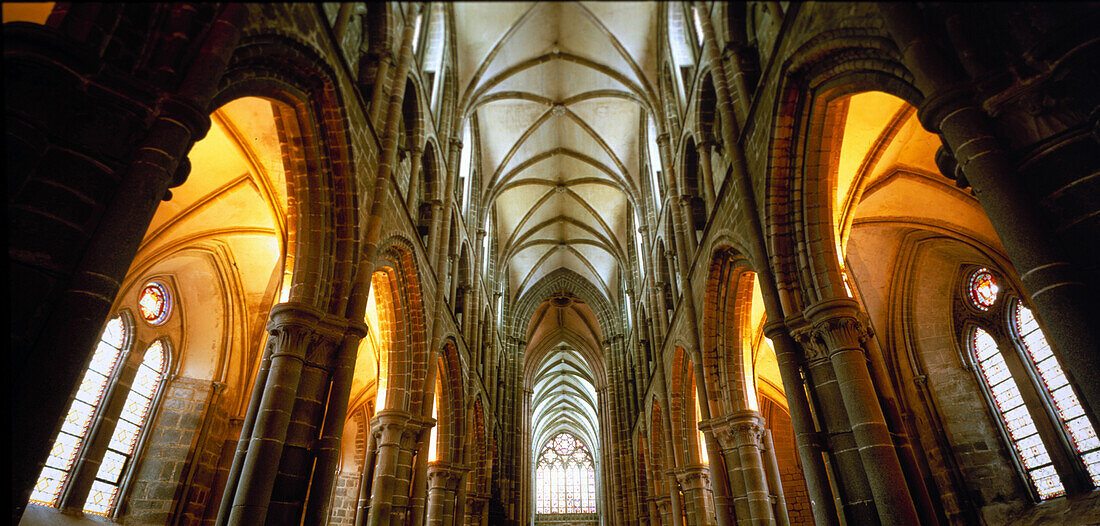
<point x="559" y="93"/>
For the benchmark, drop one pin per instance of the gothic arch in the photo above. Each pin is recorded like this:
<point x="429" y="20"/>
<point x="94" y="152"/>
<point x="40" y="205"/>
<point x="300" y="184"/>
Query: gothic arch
<point x="452" y="410"/>
<point x="830" y="65"/>
<point x="401" y="312"/>
<point x="314" y="123"/>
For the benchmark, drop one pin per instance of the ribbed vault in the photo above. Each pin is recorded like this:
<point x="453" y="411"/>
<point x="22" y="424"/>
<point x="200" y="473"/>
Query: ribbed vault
<point x="558" y="92"/>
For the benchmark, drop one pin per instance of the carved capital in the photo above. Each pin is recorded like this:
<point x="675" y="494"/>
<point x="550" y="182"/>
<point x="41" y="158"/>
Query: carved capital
<point x="388" y="426"/>
<point x="747" y="429"/>
<point x="694" y="477"/>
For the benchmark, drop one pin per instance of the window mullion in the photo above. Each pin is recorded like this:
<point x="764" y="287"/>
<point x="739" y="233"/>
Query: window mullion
<point x="1036" y="404"/>
<point x="99" y="436"/>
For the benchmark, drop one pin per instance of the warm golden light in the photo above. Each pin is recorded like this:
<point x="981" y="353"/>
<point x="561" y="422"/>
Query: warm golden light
<point x="433" y="437"/>
<point x="36" y="12"/>
<point x="379" y="282"/>
<point x="704" y="457"/>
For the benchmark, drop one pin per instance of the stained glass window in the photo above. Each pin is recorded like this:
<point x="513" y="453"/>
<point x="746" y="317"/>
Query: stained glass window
<point x="124" y="438"/>
<point x="59" y="465"/>
<point x="154" y="303"/>
<point x="982" y="289"/>
<point x="1017" y="420"/>
<point x="565" y="477"/>
<point x="1072" y="416"/>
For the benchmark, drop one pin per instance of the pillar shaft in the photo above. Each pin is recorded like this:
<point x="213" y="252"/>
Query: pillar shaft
<point x="806" y="437"/>
<point x="775" y="483"/>
<point x="389" y="426"/>
<point x="1056" y="287"/>
<point x="836" y="325"/>
<point x="854" y="493"/>
<point x="291" y="327"/>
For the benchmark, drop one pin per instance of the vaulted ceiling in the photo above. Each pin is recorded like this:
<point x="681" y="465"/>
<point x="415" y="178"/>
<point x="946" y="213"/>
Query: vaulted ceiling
<point x="559" y="93"/>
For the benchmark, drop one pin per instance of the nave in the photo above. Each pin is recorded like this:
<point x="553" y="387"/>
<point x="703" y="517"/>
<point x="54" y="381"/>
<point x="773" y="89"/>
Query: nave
<point x="553" y="263"/>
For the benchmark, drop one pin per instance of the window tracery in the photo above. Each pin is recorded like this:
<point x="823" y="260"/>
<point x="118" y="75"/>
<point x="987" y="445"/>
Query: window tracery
<point x="112" y="401"/>
<point x="1025" y="383"/>
<point x="565" y="477"/>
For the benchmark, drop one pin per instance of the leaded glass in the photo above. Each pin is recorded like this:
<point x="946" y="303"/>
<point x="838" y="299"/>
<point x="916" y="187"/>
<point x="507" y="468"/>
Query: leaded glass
<point x="1015" y="416"/>
<point x="565" y="477"/>
<point x="154" y="303"/>
<point x="124" y="437"/>
<point x="982" y="289"/>
<point x="1057" y="386"/>
<point x="79" y="417"/>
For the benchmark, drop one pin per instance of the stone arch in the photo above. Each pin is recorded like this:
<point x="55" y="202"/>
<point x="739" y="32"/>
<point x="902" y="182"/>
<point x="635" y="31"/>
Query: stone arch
<point x="682" y="412"/>
<point x="397" y="291"/>
<point x="429" y="191"/>
<point x="322" y="222"/>
<point x="411" y="125"/>
<point x="452" y="405"/>
<point x="726" y="322"/>
<point x="479" y="451"/>
<point x="564" y="280"/>
<point x="657" y="444"/>
<point x="691" y="185"/>
<point x="707" y="118"/>
<point x="831" y="65"/>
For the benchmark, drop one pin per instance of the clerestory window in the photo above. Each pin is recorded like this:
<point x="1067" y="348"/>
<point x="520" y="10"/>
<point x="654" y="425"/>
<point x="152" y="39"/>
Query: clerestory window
<point x="1027" y="388"/>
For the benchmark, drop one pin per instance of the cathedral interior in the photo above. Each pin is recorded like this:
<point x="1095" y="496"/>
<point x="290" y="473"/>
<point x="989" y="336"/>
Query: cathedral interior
<point x="554" y="263"/>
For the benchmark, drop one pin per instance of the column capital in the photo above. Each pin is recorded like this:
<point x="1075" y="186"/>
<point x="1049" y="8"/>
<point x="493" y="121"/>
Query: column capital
<point x="294" y="313"/>
<point x="445" y="475"/>
<point x="942" y="102"/>
<point x="389" y="424"/>
<point x="694" y="477"/>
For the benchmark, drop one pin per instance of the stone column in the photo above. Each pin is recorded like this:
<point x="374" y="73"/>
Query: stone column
<point x="412" y="199"/>
<point x="388" y="427"/>
<point x="664" y="505"/>
<point x="835" y="324"/>
<point x="291" y="327"/>
<point x="292" y="481"/>
<point x="695" y="480"/>
<point x="710" y="192"/>
<point x="475" y="509"/>
<point x="328" y="448"/>
<point x="72" y="241"/>
<point x="746" y="429"/>
<point x="414" y="455"/>
<point x="775" y="482"/>
<point x="1063" y="303"/>
<point x="443" y="480"/>
<point x="854" y="492"/>
<point x="789" y="356"/>
<point x="386" y="63"/>
<point x="719" y="429"/>
<point x="245" y="437"/>
<point x="654" y="515"/>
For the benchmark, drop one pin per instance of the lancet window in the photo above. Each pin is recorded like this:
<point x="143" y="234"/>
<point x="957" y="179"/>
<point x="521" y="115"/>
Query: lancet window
<point x="106" y="422"/>
<point x="1026" y="387"/>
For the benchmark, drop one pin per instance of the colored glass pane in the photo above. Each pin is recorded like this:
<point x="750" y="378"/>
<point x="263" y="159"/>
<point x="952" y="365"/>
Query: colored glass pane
<point x="124" y="437"/>
<point x="81" y="411"/>
<point x="1072" y="415"/>
<point x="983" y="289"/>
<point x="1015" y="416"/>
<point x="565" y="477"/>
<point x="154" y="303"/>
